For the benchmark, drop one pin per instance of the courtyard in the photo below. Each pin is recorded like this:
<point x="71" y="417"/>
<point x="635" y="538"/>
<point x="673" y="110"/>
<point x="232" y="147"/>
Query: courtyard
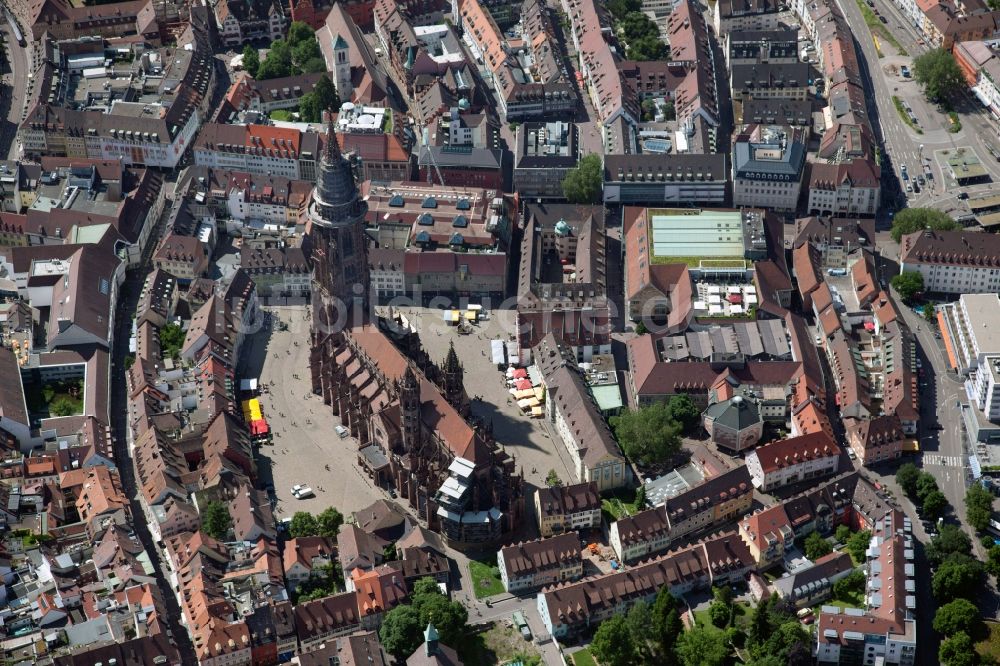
<point x="59" y="398"/>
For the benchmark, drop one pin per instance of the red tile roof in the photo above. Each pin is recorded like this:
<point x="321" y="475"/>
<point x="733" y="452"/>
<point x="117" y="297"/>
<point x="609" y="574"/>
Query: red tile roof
<point x="795" y="450"/>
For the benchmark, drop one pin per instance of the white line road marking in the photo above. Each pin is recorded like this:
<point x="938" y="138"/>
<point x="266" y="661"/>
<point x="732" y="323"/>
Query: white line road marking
<point x="942" y="461"/>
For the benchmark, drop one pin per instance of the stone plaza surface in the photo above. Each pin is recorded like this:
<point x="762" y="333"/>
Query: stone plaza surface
<point x="305" y="442"/>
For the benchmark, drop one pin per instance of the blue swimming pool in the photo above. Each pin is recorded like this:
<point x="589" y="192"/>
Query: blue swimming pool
<point x="656" y="146"/>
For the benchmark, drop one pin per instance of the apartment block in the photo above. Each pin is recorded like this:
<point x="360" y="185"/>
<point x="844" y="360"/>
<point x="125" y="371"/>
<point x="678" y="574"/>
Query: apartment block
<point x="567" y="508"/>
<point x="953" y="262"/>
<point x="573" y="609"/>
<point x="792" y="460"/>
<point x="571" y="408"/>
<point x="716" y="501"/>
<point x="529" y="566"/>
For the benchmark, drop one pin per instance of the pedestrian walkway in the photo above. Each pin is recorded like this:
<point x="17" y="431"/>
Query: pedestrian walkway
<point x="942" y="461"/>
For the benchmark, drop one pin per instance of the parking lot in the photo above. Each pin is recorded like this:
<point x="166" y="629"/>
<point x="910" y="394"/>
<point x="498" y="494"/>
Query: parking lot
<point x="306" y="448"/>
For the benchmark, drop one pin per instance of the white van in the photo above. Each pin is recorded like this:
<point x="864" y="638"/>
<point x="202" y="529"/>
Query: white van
<point x="342" y="431"/>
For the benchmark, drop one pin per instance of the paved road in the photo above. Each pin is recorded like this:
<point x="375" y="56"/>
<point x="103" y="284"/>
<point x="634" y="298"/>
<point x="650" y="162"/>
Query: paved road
<point x="12" y="91"/>
<point x="902" y="145"/>
<point x="945" y="453"/>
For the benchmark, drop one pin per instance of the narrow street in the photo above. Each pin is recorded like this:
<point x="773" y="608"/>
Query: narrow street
<point x="13" y="90"/>
<point x="128" y="301"/>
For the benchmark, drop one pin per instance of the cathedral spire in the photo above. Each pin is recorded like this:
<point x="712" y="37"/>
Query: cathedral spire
<point x="409" y="378"/>
<point x="451" y="362"/>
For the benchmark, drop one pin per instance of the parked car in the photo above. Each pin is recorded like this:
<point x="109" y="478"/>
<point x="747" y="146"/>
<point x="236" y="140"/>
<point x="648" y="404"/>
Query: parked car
<point x="905" y="71"/>
<point x="304" y="492"/>
<point x="883" y="19"/>
<point x="342" y="431"/>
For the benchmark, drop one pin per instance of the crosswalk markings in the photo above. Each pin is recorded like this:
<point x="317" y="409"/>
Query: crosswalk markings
<point x="943" y="461"/>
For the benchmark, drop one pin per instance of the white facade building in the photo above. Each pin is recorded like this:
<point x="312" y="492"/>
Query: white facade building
<point x="972" y="325"/>
<point x="792" y="460"/>
<point x="953" y="262"/>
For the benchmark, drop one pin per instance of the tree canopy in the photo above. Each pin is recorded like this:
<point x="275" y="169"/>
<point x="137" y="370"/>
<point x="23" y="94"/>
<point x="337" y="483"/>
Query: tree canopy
<point x="910" y="220"/>
<point x="277" y="63"/>
<point x="622" y="8"/>
<point x="775" y="632"/>
<point x="303" y="525"/>
<point x="957" y="616"/>
<point x="648" y="48"/>
<point x="637" y="24"/>
<point x="950" y="540"/>
<point x="683" y="410"/>
<point x="612" y="643"/>
<point x="926" y="484"/>
<point x="816" y="546"/>
<point x="939" y="74"/>
<point x="858" y="544"/>
<point x="978" y="506"/>
<point x="325" y="581"/>
<point x="171" y="340"/>
<point x="642" y="37"/>
<point x="215" y="520"/>
<point x="400" y="632"/>
<point x="299" y="32"/>
<point x="788" y="639"/>
<point x="906" y="477"/>
<point x="908" y="284"/>
<point x="959" y="576"/>
<point x="402" y="627"/>
<point x="669" y="111"/>
<point x="648" y="434"/>
<point x="720" y="613"/>
<point x="328" y="523"/>
<point x="583" y="184"/>
<point x="958" y="650"/>
<point x="298" y="54"/>
<point x="640" y="630"/>
<point x="666" y="623"/>
<point x="934" y="505"/>
<point x="251" y="60"/>
<point x="930" y="313"/>
<point x="852" y="583"/>
<point x="702" y="647"/>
